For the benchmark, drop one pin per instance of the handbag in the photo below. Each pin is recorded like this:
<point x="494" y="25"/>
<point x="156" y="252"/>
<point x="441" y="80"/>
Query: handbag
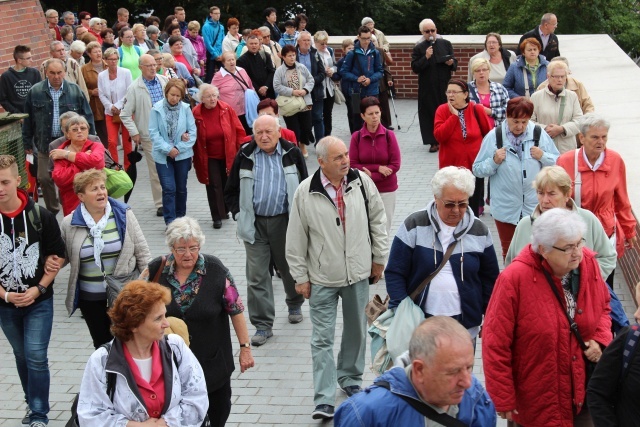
<point x="116" y="283"/>
<point x="118" y="182"/>
<point x="338" y="96"/>
<point x="290" y="105"/>
<point x="115" y="118"/>
<point x="589" y="366"/>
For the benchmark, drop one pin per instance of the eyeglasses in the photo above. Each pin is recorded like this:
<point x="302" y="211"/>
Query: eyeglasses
<point x="148" y="65"/>
<point x="482" y="70"/>
<point x="79" y="129"/>
<point x="429" y="31"/>
<point x="181" y="251"/>
<point x="571" y="248"/>
<point x="450" y="205"/>
<point x="86" y="18"/>
<point x="364" y="38"/>
<point x="453" y="92"/>
<point x="268" y="36"/>
<point x="559" y="77"/>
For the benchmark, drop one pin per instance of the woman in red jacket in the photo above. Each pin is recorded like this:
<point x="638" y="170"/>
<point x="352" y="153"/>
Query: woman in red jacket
<point x="75" y="155"/>
<point x="374" y="150"/>
<point x="603" y="189"/>
<point x="219" y="136"/>
<point x="459" y="127"/>
<point x="534" y="365"/>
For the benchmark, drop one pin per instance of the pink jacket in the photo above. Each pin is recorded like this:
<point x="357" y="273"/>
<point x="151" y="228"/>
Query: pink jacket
<point x="371" y="153"/>
<point x="232" y="90"/>
<point x="198" y="46"/>
<point x="604" y="193"/>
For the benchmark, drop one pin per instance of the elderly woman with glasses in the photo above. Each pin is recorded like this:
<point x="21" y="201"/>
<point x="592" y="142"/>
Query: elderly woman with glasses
<point x="512" y="155"/>
<point x="204" y="295"/>
<point x="463" y="287"/>
<point x="536" y="366"/>
<point x="499" y="58"/>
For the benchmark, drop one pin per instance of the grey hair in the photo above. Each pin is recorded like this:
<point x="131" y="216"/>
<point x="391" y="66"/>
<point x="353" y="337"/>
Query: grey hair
<point x="367" y="20"/>
<point x="322" y="149"/>
<point x="49" y="12"/>
<point x="560" y="58"/>
<point x="556" y="224"/>
<point x="546" y="18"/>
<point x="185" y="228"/>
<point x="592" y="120"/>
<point x="275" y="120"/>
<point x="76" y="120"/>
<point x="425" y="22"/>
<point x="52" y="46"/>
<point x="110" y="52"/>
<point x="66" y="116"/>
<point x="205" y="87"/>
<point x="78" y="46"/>
<point x="152" y="29"/>
<point x="50" y="61"/>
<point x="554" y="65"/>
<point x="67" y="13"/>
<point x="429" y="336"/>
<point x="264" y="30"/>
<point x="458" y="177"/>
<point x="93" y="21"/>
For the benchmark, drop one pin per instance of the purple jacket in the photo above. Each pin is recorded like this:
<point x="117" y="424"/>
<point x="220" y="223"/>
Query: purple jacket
<point x="372" y="151"/>
<point x="198" y="45"/>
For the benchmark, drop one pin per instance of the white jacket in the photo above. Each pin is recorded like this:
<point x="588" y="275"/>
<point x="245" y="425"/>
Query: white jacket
<point x="137" y="107"/>
<point x="116" y="99"/>
<point x="189" y="400"/>
<point x="546" y="108"/>
<point x="318" y="250"/>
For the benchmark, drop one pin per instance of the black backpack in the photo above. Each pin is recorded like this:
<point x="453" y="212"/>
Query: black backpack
<point x="537" y="131"/>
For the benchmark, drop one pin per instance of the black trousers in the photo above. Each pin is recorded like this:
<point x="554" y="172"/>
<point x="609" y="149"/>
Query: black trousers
<point x="300" y="124"/>
<point x="385" y="112"/>
<point x="220" y="405"/>
<point x="215" y="189"/>
<point x="245" y="124"/>
<point x="95" y="315"/>
<point x="477" y="200"/>
<point x="326" y="114"/>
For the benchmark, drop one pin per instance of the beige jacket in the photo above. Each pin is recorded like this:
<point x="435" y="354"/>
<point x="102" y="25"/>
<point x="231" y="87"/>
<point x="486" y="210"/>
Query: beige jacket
<point x="576" y="86"/>
<point x="546" y="109"/>
<point x="319" y="250"/>
<point x="134" y="252"/>
<point x="137" y="107"/>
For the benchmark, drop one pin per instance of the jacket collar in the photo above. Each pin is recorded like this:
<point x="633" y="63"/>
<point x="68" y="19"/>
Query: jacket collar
<point x="315" y="186"/>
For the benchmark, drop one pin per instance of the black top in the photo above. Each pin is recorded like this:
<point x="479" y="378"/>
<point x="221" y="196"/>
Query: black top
<point x="14" y="86"/>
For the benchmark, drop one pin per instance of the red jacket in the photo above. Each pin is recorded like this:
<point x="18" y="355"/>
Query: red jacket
<point x="604" y="193"/>
<point x="233" y="137"/>
<point x="64" y="171"/>
<point x="454" y="149"/>
<point x="532" y="362"/>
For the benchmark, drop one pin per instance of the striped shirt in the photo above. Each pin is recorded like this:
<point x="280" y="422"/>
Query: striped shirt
<point x="269" y="186"/>
<point x="55" y="96"/>
<point x="90" y="278"/>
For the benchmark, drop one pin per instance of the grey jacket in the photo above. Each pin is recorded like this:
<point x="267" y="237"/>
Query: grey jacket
<point x="306" y="82"/>
<point x="137" y="107"/>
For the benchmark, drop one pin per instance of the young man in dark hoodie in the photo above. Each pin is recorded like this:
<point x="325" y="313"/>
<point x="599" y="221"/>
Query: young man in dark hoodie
<point x="17" y="80"/>
<point x="29" y="235"/>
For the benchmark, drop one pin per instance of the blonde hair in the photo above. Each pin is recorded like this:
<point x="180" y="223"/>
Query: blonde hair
<point x="553" y="176"/>
<point x="82" y="180"/>
<point x="193" y="25"/>
<point x="552" y="66"/>
<point x="478" y="62"/>
<point x="138" y="27"/>
<point x="168" y="61"/>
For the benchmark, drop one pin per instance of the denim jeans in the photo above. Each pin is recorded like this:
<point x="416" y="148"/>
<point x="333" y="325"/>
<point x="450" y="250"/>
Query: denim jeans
<point x="173" y="179"/>
<point x="28" y="330"/>
<point x="316" y="119"/>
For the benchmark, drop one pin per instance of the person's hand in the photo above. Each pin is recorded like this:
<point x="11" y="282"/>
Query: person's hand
<point x="554" y="130"/>
<point x="329" y="71"/>
<point x="299" y="92"/>
<point x="304" y="289"/>
<point x="185" y="137"/>
<point x="536" y="152"/>
<point x="361" y="79"/>
<point x="246" y="359"/>
<point x="593" y="352"/>
<point x="263" y="91"/>
<point x="384" y="170"/>
<point x="449" y="62"/>
<point x="136" y="139"/>
<point x="52" y="264"/>
<point x="630" y="243"/>
<point x="488" y="111"/>
<point x="367" y="171"/>
<point x="366" y="82"/>
<point x="173" y="153"/>
<point x="500" y="155"/>
<point x="508" y="415"/>
<point x="452" y="109"/>
<point x="429" y="52"/>
<point x="24" y="299"/>
<point x="196" y="72"/>
<point x="114" y="110"/>
<point x="376" y="271"/>
<point x="390" y="83"/>
<point x="94" y="92"/>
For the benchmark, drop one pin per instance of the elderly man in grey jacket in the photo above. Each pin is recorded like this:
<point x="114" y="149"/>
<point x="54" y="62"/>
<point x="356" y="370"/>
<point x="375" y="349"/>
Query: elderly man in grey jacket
<point x="336" y="245"/>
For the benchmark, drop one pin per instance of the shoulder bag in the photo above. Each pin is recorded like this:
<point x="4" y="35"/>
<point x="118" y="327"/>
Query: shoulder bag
<point x="577" y="181"/>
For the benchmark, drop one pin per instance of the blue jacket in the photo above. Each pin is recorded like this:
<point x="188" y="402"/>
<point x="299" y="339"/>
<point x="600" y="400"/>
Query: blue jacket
<point x="513" y="81"/>
<point x="286" y="39"/>
<point x="160" y="137"/>
<point x="36" y="129"/>
<point x="213" y="34"/>
<point x="416" y="252"/>
<point x="358" y="63"/>
<point x="512" y="193"/>
<point x="379" y="407"/>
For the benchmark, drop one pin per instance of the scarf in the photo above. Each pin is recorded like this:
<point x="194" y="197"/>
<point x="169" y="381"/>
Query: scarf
<point x="173" y="113"/>
<point x="95" y="230"/>
<point x="463" y="122"/>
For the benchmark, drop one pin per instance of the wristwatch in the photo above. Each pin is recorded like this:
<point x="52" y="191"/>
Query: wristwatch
<point x="42" y="289"/>
<point x="246" y="345"/>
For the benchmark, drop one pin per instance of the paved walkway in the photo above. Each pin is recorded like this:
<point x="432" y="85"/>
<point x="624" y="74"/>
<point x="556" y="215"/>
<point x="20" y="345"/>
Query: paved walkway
<point x="279" y="390"/>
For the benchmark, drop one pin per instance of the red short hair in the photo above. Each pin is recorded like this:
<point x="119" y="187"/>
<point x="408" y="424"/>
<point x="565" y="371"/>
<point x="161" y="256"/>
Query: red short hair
<point x="519" y="108"/>
<point x="530" y="40"/>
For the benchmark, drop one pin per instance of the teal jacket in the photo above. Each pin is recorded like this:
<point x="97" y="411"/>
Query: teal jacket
<point x="160" y="136"/>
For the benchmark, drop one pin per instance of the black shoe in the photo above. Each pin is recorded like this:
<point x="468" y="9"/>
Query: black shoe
<point x="390" y="128"/>
<point x="217" y="224"/>
<point x="350" y="390"/>
<point x="323" y="412"/>
<point x="159" y="212"/>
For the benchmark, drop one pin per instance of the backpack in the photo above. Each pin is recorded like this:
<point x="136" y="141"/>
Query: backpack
<point x="120" y="53"/>
<point x="537" y="131"/>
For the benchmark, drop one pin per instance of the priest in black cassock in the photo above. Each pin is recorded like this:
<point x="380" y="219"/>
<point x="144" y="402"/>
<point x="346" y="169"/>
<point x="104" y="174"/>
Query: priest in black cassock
<point x="258" y="65"/>
<point x="433" y="61"/>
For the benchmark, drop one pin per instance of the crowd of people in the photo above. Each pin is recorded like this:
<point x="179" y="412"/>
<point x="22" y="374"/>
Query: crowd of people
<point x="210" y="97"/>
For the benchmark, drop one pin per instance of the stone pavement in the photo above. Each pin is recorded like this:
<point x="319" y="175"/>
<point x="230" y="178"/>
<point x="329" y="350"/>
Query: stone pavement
<point x="279" y="390"/>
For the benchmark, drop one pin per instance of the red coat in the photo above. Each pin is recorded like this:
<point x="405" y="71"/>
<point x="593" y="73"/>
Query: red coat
<point x="455" y="150"/>
<point x="233" y="137"/>
<point x="64" y="171"/>
<point x="604" y="193"/>
<point x="532" y="362"/>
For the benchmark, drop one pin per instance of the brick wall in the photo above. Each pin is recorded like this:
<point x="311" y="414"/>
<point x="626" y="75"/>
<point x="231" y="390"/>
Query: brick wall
<point x="24" y="24"/>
